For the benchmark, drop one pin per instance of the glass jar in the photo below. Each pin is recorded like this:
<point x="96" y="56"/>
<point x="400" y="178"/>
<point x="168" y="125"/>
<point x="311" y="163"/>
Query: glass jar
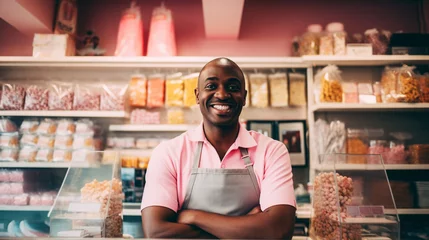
<point x="377" y="92"/>
<point x="396" y="153"/>
<point x="326" y="44"/>
<point x="309" y="41"/>
<point x="419" y="153"/>
<point x="338" y="37"/>
<point x="424" y="88"/>
<point x="357" y="143"/>
<point x="378" y="147"/>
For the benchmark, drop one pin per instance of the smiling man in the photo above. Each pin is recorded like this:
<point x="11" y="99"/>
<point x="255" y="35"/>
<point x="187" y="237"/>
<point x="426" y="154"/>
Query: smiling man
<point x="219" y="180"/>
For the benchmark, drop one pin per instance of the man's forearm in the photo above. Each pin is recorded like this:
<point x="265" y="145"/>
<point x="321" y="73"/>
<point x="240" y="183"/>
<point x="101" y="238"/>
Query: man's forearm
<point x="260" y="225"/>
<point x="174" y="230"/>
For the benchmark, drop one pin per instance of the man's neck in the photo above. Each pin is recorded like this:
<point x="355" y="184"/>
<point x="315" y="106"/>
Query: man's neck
<point x="221" y="137"/>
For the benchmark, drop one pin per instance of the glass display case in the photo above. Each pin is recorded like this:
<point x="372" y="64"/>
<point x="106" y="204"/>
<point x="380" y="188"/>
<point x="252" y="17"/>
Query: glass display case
<point x="89" y="203"/>
<point x="351" y="202"/>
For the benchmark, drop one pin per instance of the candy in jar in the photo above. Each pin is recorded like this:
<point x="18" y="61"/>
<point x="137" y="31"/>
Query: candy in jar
<point x="338" y="36"/>
<point x="13" y="96"/>
<point x="424" y="88"/>
<point x="389" y="80"/>
<point x="379" y="45"/>
<point x="297" y="94"/>
<point x="357" y="143"/>
<point x="309" y="41"/>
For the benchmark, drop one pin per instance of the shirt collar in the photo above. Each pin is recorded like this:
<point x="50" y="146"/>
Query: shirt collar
<point x="244" y="138"/>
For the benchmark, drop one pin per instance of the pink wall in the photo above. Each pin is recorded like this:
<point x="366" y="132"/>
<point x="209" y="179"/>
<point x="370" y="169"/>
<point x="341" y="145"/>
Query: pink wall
<point x="266" y="30"/>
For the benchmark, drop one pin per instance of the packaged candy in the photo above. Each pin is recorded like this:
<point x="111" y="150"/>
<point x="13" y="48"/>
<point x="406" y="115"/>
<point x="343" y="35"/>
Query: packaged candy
<point x="297" y="90"/>
<point x="27" y="153"/>
<point x="278" y="90"/>
<point x="350" y="92"/>
<point x="130" y="33"/>
<point x="16" y="176"/>
<point x="47" y="126"/>
<point x="378" y="41"/>
<point x="46" y="141"/>
<point x="190" y="84"/>
<point x="29" y="139"/>
<point x="9" y="139"/>
<point x="389" y="80"/>
<point x="45" y="155"/>
<point x="37" y="97"/>
<point x="424" y="88"/>
<point x="176" y="116"/>
<point x="156" y="91"/>
<point x="138" y="92"/>
<point x="86" y="97"/>
<point x="141" y="116"/>
<point x="13" y="96"/>
<point x="113" y="97"/>
<point x="330" y="84"/>
<point x="259" y="90"/>
<point x="85" y="140"/>
<point x="6" y="125"/>
<point x="29" y="126"/>
<point x="66" y="126"/>
<point x="62" y="155"/>
<point x="408" y="85"/>
<point x="63" y="141"/>
<point x="84" y="126"/>
<point x="162" y="41"/>
<point x="61" y="95"/>
<point x="339" y="37"/>
<point x="174" y="90"/>
<point x="9" y="154"/>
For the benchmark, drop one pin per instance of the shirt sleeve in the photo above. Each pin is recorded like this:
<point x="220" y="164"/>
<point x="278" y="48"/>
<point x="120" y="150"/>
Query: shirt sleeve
<point x="161" y="185"/>
<point x="277" y="184"/>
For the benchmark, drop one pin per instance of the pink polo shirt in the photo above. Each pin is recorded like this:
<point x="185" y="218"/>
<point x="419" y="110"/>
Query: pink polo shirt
<point x="171" y="162"/>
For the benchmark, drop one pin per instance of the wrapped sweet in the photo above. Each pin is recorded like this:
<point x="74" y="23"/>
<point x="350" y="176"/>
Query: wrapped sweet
<point x="44" y="155"/>
<point x="130" y="33"/>
<point x="29" y="126"/>
<point x="6" y="125"/>
<point x="191" y="83"/>
<point x="155" y="91"/>
<point x="47" y="126"/>
<point x="66" y="126"/>
<point x="174" y="90"/>
<point x="258" y="90"/>
<point x="28" y="153"/>
<point x="176" y="116"/>
<point x="9" y="139"/>
<point x="297" y="92"/>
<point x="138" y="92"/>
<point x="86" y="97"/>
<point x="13" y="97"/>
<point x="113" y="97"/>
<point x="61" y="95"/>
<point x="9" y="154"/>
<point x="330" y="84"/>
<point x="141" y="116"/>
<point x="278" y="89"/>
<point x="63" y="141"/>
<point x="36" y="98"/>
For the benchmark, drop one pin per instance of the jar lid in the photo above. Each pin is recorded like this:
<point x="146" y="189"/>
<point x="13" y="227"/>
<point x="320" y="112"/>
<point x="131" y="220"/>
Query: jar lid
<point x="373" y="143"/>
<point x="314" y="28"/>
<point x="335" y="27"/>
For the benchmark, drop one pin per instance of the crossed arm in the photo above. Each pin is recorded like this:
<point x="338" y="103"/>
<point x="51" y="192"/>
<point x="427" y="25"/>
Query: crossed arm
<point x="276" y="222"/>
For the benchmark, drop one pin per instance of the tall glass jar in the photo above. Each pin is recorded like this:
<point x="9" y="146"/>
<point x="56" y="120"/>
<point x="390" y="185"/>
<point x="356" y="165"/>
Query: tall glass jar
<point x="309" y="42"/>
<point x="357" y="143"/>
<point x="338" y="37"/>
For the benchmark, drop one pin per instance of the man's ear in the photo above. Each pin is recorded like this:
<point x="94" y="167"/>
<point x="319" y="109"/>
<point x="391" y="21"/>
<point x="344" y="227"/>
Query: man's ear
<point x="245" y="96"/>
<point x="197" y="95"/>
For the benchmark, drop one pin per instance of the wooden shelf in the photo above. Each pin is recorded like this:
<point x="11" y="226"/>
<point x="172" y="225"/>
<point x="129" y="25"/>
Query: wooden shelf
<point x="42" y="164"/>
<point x="25" y="208"/>
<point x="151" y="128"/>
<point x="375" y="60"/>
<point x="347" y="166"/>
<point x="89" y="114"/>
<point x="334" y="107"/>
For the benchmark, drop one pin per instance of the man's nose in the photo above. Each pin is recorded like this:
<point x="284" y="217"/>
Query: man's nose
<point x="221" y="93"/>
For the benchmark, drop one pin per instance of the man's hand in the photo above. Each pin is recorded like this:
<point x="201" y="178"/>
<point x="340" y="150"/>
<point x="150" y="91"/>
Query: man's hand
<point x="187" y="216"/>
<point x="255" y="210"/>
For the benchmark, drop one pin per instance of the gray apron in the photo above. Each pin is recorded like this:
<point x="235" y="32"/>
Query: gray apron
<point x="232" y="192"/>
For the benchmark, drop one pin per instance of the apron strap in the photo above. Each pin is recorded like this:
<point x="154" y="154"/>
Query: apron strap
<point x="197" y="156"/>
<point x="249" y="165"/>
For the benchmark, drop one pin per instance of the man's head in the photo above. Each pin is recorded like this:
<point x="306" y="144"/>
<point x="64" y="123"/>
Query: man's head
<point x="221" y="92"/>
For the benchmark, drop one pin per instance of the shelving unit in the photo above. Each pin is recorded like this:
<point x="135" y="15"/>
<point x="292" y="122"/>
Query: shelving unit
<point x="25" y="208"/>
<point x="89" y="114"/>
<point x="346" y="166"/>
<point x="151" y="128"/>
<point x="332" y="107"/>
<point x="43" y="164"/>
<point x="376" y="60"/>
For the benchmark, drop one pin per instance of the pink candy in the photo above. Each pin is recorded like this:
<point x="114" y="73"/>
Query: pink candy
<point x="13" y="97"/>
<point x="36" y="98"/>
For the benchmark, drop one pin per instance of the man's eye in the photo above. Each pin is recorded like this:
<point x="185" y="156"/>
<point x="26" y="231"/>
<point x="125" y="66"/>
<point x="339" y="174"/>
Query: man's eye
<point x="234" y="88"/>
<point x="210" y="86"/>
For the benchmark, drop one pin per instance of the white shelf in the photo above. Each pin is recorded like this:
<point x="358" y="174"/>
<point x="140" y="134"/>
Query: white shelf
<point x="91" y="114"/>
<point x="134" y="151"/>
<point x="349" y="166"/>
<point x="24" y="208"/>
<point x="131" y="212"/>
<point x="408" y="211"/>
<point x="333" y="107"/>
<point x="42" y="164"/>
<point x="148" y="62"/>
<point x="375" y="60"/>
<point x="369" y="221"/>
<point x="151" y="128"/>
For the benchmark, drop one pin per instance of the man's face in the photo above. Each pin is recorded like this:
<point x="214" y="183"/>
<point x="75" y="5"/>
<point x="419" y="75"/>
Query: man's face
<point x="221" y="93"/>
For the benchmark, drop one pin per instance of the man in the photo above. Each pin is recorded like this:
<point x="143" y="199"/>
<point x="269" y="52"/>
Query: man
<point x="219" y="180"/>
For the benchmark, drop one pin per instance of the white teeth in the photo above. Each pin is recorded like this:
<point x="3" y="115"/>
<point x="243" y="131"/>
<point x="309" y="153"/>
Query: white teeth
<point x="221" y="107"/>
